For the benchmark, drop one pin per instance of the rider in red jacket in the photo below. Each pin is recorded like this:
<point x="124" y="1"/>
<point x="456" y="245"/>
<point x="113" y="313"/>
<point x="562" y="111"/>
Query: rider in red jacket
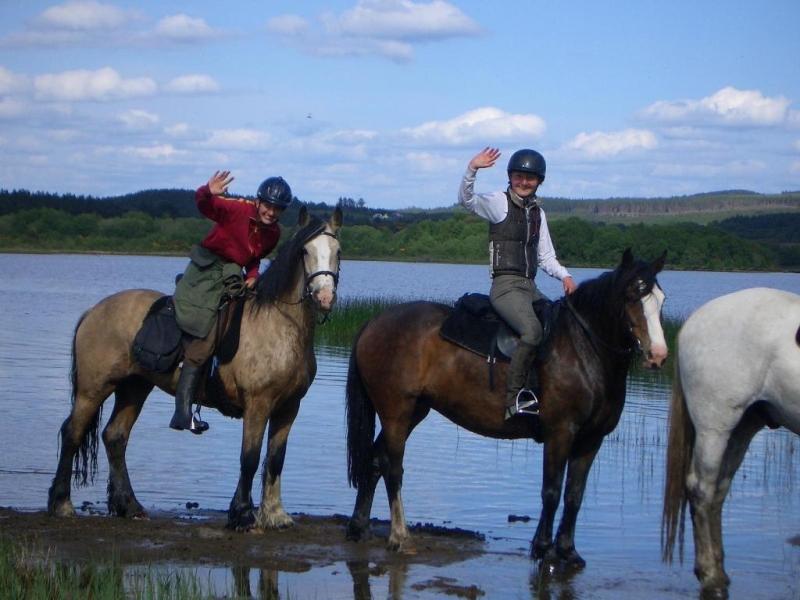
<point x="245" y="231"/>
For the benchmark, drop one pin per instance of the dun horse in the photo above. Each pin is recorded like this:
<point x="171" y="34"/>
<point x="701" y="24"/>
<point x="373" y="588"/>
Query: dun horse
<point x="401" y="368"/>
<point x="265" y="380"/>
<point x="737" y="370"/>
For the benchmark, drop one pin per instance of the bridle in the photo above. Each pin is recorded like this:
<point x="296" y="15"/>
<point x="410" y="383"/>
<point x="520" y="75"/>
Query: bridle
<point x="309" y="277"/>
<point x="596" y="340"/>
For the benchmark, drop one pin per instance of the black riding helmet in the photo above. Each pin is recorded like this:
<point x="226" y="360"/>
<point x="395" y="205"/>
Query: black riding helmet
<point x="274" y="190"/>
<point x="527" y="161"/>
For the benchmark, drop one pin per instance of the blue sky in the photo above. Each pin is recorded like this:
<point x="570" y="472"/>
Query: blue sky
<point x="387" y="100"/>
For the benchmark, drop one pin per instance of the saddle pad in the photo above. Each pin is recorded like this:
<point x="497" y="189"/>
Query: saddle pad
<point x="475" y="326"/>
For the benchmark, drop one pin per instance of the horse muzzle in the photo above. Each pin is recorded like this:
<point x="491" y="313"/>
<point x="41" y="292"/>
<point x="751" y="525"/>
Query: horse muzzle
<point x="655" y="357"/>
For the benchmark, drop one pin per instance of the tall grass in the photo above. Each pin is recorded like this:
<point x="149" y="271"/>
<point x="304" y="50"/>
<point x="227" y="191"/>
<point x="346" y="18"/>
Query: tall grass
<point x="30" y="573"/>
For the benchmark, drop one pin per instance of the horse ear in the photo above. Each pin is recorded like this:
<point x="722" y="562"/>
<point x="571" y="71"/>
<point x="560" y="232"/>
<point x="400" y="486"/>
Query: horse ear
<point x="627" y="258"/>
<point x="658" y="263"/>
<point x="336" y="220"/>
<point x="303" y="218"/>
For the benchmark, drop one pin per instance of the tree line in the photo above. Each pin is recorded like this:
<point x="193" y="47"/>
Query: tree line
<point x="167" y="222"/>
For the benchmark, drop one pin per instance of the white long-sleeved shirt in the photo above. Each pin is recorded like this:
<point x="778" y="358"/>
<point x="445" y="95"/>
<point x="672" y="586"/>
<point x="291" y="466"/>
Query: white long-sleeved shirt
<point x="494" y="207"/>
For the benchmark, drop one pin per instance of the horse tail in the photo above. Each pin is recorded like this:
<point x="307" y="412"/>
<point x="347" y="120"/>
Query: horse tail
<point x="360" y="423"/>
<point x="680" y="447"/>
<point x="85" y="462"/>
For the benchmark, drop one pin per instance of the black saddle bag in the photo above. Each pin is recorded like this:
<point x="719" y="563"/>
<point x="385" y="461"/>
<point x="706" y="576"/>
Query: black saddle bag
<point x="157" y="346"/>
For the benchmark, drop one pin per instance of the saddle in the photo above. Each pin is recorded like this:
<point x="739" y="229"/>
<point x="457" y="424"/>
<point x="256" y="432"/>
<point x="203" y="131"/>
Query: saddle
<point x="475" y="326"/>
<point x="159" y="344"/>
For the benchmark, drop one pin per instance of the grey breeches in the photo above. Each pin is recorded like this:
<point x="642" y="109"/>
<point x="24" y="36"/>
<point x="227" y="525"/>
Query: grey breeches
<point x="512" y="297"/>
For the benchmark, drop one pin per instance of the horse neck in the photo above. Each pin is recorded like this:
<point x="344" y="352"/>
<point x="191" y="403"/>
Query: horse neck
<point x="608" y="329"/>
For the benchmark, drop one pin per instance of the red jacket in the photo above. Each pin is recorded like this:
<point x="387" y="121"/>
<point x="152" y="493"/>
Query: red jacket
<point x="238" y="235"/>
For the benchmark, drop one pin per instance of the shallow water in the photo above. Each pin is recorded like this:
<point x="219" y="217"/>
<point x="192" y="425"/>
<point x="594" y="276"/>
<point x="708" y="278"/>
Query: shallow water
<point x="452" y="477"/>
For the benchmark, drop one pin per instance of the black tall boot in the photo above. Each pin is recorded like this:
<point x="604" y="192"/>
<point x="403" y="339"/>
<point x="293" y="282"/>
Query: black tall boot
<point x="188" y="381"/>
<point x="519" y="399"/>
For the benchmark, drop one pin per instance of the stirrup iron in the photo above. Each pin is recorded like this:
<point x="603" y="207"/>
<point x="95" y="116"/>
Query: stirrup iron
<point x="525" y="403"/>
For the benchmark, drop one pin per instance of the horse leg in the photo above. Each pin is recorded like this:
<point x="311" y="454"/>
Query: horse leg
<point x="575" y="486"/>
<point x="358" y="527"/>
<point x="240" y="513"/>
<point x="556" y="451"/>
<point x="713" y="466"/>
<point x="395" y="435"/>
<point x="129" y="400"/>
<point x="83" y="416"/>
<point x="271" y="514"/>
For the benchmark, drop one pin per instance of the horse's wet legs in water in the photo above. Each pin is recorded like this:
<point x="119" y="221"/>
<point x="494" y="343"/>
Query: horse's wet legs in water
<point x="240" y="513"/>
<point x="271" y="514"/>
<point x="715" y="462"/>
<point x="83" y="417"/>
<point x="129" y="398"/>
<point x="387" y="462"/>
<point x="358" y="526"/>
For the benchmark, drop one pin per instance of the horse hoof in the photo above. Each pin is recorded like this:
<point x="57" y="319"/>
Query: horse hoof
<point x="65" y="510"/>
<point x="357" y="534"/>
<point x="570" y="558"/>
<point x="714" y="593"/>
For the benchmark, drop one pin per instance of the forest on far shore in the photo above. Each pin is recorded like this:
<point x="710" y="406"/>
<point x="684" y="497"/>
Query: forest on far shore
<point x="752" y="232"/>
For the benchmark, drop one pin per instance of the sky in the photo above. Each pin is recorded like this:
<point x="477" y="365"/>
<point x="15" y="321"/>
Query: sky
<point x="388" y="100"/>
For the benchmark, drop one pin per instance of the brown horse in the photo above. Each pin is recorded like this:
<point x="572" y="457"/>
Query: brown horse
<point x="401" y="368"/>
<point x="265" y="380"/>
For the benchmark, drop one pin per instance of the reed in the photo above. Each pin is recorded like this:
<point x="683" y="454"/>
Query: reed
<point x="27" y="571"/>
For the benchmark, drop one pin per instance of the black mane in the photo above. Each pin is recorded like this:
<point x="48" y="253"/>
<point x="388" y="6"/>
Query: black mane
<point x="278" y="278"/>
<point x="601" y="301"/>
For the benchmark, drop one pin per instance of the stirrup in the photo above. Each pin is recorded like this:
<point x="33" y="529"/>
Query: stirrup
<point x="198" y="426"/>
<point x="526" y="403"/>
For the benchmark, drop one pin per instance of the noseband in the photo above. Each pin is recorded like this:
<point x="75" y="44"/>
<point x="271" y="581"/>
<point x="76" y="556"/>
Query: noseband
<point x="310" y="277"/>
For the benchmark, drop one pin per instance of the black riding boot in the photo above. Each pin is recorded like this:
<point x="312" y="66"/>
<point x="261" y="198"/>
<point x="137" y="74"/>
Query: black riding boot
<point x="519" y="399"/>
<point x="188" y="381"/>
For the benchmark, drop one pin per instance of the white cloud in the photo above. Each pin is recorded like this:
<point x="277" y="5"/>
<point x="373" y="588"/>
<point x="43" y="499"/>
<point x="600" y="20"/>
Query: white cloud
<point x="12" y="83"/>
<point x="238" y="139"/>
<point x="183" y="28"/>
<point x="156" y="152"/>
<point x="402" y="20"/>
<point x="138" y="119"/>
<point x="103" y="84"/>
<point x="83" y="15"/>
<point x="600" y="144"/>
<point x="376" y="27"/>
<point x="482" y="126"/>
<point x="190" y="84"/>
<point x="178" y="130"/>
<point x="728" y="106"/>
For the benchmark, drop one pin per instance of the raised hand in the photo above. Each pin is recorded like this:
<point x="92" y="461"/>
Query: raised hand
<point x="485" y="158"/>
<point x="219" y="182"/>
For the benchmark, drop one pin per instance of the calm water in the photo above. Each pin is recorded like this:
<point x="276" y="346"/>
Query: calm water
<point x="452" y="478"/>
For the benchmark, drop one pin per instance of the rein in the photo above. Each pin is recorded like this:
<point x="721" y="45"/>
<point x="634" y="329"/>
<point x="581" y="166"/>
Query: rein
<point x="593" y="337"/>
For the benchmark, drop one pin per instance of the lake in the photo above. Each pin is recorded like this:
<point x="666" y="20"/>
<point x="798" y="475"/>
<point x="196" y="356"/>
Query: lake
<point x="452" y="477"/>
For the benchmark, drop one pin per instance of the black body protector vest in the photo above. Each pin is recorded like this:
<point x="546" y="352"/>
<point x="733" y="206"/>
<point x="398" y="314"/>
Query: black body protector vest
<point x="514" y="241"/>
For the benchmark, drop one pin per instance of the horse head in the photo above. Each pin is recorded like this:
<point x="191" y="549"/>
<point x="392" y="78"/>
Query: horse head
<point x="643" y="302"/>
<point x="321" y="254"/>
<point x="307" y="266"/>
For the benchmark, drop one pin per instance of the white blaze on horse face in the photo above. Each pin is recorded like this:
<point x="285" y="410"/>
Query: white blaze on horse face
<point x="321" y="259"/>
<point x="652" y="304"/>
